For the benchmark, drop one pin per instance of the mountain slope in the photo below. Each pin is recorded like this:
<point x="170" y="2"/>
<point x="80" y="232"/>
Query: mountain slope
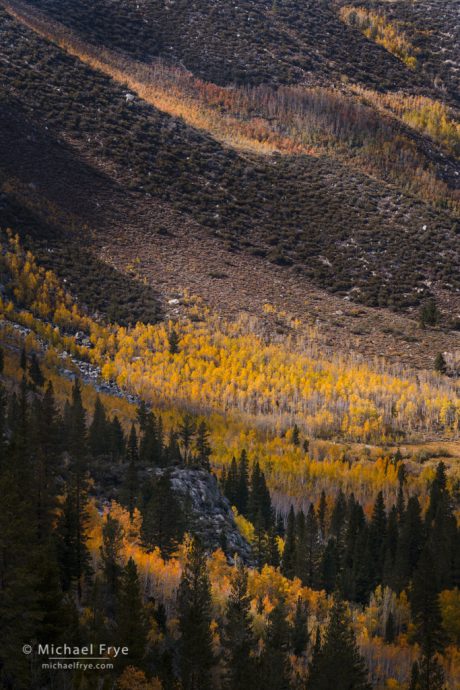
<point x="296" y="210"/>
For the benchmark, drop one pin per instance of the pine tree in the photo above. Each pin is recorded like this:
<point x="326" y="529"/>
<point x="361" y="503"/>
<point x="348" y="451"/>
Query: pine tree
<point x="150" y="450"/>
<point x="131" y="619"/>
<point x="132" y="448"/>
<point x="275" y="665"/>
<point x="339" y="664"/>
<point x="98" y="436"/>
<point x="194" y="605"/>
<point x="173" y="342"/>
<point x="164" y="522"/>
<point x="231" y="484"/>
<point x="288" y="561"/>
<point x="425" y="608"/>
<point x="390" y="629"/>
<point x="300" y="635"/>
<point x="322" y="508"/>
<point x="330" y="566"/>
<point x="409" y="545"/>
<point x="429" y="313"/>
<point x="242" y="498"/>
<point x="238" y="636"/>
<point x="35" y="372"/>
<point x="260" y="544"/>
<point x="259" y="498"/>
<point x="296" y="435"/>
<point x="312" y="550"/>
<point x="116" y="440"/>
<point x="338" y="516"/>
<point x="440" y="363"/>
<point x="111" y="560"/>
<point x="73" y="552"/>
<point x="377" y="539"/>
<point x="23" y="360"/>
<point x="187" y="431"/>
<point x="202" y="447"/>
<point x="438" y="491"/>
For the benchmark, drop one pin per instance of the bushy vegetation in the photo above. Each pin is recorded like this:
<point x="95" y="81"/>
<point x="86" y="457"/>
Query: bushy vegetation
<point x="251" y="42"/>
<point x="342" y="230"/>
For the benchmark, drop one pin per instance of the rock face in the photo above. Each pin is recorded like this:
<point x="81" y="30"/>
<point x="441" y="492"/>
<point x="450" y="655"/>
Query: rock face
<point x="211" y="514"/>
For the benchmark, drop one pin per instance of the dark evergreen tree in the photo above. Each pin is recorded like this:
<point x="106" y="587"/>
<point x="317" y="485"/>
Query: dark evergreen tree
<point x="330" y="566"/>
<point x="150" y="448"/>
<point x="440" y="363"/>
<point x="322" y="509"/>
<point x="310" y="577"/>
<point x="296" y="435"/>
<point x="429" y="313"/>
<point x="377" y="540"/>
<point x="238" y="636"/>
<point x="288" y="561"/>
<point x="339" y="664"/>
<point x="111" y="560"/>
<point x="390" y="629"/>
<point x="243" y="484"/>
<point x="187" y="431"/>
<point x="116" y="440"/>
<point x="274" y="661"/>
<point x="131" y="619"/>
<point x="173" y="342"/>
<point x="409" y="545"/>
<point x="194" y="604"/>
<point x="259" y="498"/>
<point x="163" y="518"/>
<point x="98" y="436"/>
<point x="35" y="373"/>
<point x="202" y="447"/>
<point x="300" y="635"/>
<point x="425" y="608"/>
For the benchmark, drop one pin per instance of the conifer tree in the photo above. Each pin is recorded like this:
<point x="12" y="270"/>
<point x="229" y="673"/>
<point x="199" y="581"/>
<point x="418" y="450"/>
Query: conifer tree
<point x="440" y="363"/>
<point x="35" y="372"/>
<point x="425" y="608"/>
<point x="163" y="519"/>
<point x="98" y="438"/>
<point x="339" y="664"/>
<point x="116" y="440"/>
<point x="202" y="447"/>
<point x="238" y="635"/>
<point x="259" y="498"/>
<point x="438" y="491"/>
<point x="322" y="508"/>
<point x="194" y="605"/>
<point x="377" y="540"/>
<point x="149" y="447"/>
<point x="73" y="552"/>
<point x="111" y="560"/>
<point x="231" y="484"/>
<point x="131" y="619"/>
<point x="288" y="562"/>
<point x="187" y="431"/>
<point x="300" y="635"/>
<point x="173" y="342"/>
<point x="275" y="665"/>
<point x="243" y="483"/>
<point x="312" y="550"/>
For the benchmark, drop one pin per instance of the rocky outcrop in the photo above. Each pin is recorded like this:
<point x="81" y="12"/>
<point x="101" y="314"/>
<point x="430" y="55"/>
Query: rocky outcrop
<point x="211" y="514"/>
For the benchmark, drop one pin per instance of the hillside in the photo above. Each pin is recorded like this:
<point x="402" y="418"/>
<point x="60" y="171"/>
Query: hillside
<point x="293" y="210"/>
<point x="229" y="345"/>
<point x="245" y="43"/>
